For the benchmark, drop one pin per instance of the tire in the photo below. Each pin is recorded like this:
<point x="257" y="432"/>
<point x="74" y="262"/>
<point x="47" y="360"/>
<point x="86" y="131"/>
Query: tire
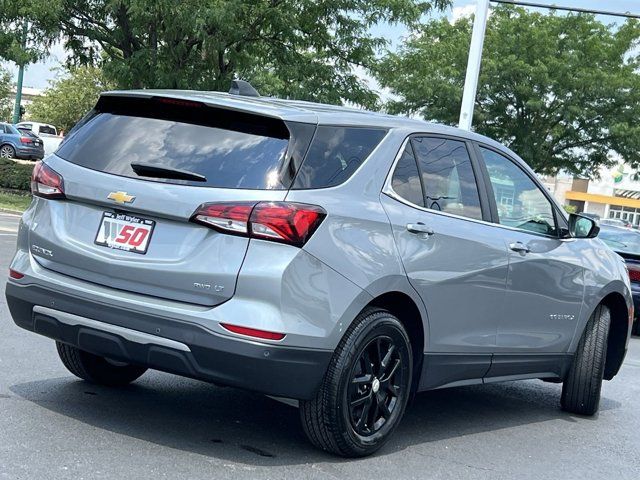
<point x="7" y="151"/>
<point x="581" y="388"/>
<point x="357" y="408"/>
<point x="96" y="369"/>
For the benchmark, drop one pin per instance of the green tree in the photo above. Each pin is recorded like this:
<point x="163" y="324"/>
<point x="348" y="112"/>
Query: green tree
<point x="69" y="97"/>
<point x="305" y="49"/>
<point x="6" y="104"/>
<point x="13" y="15"/>
<point x="561" y="91"/>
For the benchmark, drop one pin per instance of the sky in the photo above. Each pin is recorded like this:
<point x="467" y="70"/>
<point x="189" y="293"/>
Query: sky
<point x="39" y="74"/>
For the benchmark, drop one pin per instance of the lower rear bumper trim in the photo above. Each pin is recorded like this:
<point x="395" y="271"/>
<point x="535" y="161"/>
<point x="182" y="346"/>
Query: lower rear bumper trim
<point x="127" y="333"/>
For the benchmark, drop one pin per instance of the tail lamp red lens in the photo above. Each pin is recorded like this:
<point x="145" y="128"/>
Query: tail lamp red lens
<point x="285" y="222"/>
<point x="634" y="272"/>
<point x="25" y="140"/>
<point x="46" y="182"/>
<point x="15" y="274"/>
<point x="253" y="332"/>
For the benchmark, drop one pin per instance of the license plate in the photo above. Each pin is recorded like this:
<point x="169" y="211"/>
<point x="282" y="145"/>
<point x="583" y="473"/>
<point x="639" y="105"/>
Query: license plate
<point x="124" y="232"/>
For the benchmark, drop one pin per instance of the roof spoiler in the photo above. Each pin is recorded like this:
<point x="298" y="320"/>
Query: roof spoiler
<point x="240" y="87"/>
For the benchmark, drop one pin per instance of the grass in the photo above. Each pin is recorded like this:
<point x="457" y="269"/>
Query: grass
<point x="12" y="201"/>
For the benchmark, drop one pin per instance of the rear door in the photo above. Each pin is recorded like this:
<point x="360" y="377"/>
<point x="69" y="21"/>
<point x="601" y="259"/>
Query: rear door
<point x="129" y="228"/>
<point x="545" y="282"/>
<point x="452" y="257"/>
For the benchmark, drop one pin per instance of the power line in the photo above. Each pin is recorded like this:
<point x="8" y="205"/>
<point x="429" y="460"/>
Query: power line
<point x="568" y="9"/>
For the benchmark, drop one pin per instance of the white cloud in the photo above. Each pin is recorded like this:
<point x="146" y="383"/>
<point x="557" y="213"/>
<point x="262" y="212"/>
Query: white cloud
<point x="462" y="11"/>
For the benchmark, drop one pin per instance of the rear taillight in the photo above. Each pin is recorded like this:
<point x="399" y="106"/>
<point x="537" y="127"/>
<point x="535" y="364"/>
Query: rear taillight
<point x="286" y="222"/>
<point x="46" y="182"/>
<point x="25" y="140"/>
<point x="634" y="272"/>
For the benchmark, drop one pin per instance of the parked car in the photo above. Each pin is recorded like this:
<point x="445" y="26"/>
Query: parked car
<point x="342" y="258"/>
<point x="48" y="133"/>
<point x="14" y="144"/>
<point x="593" y="216"/>
<point x="616" y="222"/>
<point x="627" y="244"/>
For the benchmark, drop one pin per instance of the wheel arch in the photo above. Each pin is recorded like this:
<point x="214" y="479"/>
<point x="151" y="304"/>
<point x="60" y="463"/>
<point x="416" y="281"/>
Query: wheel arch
<point x="618" y="333"/>
<point x="402" y="306"/>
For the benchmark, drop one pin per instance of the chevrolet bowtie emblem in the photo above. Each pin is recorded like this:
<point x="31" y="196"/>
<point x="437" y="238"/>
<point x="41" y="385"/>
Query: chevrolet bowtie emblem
<point x="121" y="197"/>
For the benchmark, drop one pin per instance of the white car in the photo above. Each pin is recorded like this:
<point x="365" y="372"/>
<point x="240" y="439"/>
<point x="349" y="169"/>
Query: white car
<point x="48" y="134"/>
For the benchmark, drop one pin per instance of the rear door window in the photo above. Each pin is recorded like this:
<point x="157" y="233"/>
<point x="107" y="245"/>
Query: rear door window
<point x="406" y="178"/>
<point x="447" y="176"/>
<point x="230" y="150"/>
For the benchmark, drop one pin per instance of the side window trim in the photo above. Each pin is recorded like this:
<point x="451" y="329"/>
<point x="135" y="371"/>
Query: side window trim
<point x="489" y="190"/>
<point x="475" y="166"/>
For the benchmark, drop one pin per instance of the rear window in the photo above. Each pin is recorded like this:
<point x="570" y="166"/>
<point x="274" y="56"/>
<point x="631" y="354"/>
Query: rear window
<point x="335" y="154"/>
<point x="47" y="130"/>
<point x="230" y="150"/>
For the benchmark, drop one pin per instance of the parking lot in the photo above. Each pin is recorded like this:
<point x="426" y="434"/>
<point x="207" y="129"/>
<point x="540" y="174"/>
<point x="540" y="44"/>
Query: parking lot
<point x="55" y="426"/>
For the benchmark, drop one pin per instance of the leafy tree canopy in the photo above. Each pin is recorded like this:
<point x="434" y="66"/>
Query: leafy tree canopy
<point x="69" y="97"/>
<point x="6" y="105"/>
<point x="13" y="14"/>
<point x="562" y="91"/>
<point x="304" y="49"/>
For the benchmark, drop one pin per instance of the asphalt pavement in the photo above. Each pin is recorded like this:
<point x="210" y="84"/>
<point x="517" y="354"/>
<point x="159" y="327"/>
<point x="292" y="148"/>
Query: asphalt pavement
<point x="163" y="426"/>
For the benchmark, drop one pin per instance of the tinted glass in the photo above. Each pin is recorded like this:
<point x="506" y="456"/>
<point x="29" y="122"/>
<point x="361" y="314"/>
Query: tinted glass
<point x="621" y="240"/>
<point x="335" y="153"/>
<point x="12" y="130"/>
<point x="520" y="202"/>
<point x="228" y="158"/>
<point x="47" y="130"/>
<point x="406" y="179"/>
<point x="447" y="176"/>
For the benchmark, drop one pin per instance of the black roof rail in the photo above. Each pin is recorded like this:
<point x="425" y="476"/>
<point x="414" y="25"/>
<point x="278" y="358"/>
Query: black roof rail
<point x="240" y="87"/>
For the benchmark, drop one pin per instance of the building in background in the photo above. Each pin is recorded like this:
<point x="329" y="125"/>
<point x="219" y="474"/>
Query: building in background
<point x="28" y="94"/>
<point x="616" y="194"/>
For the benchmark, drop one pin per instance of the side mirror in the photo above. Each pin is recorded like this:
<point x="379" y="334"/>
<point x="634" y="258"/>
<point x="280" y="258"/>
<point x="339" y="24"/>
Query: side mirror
<point x="582" y="227"/>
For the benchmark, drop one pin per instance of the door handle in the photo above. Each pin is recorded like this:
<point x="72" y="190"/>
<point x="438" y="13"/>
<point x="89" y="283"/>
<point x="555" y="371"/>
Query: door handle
<point x="519" y="247"/>
<point x="419" y="228"/>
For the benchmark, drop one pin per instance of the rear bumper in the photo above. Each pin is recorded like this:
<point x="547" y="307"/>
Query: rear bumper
<point x="30" y="153"/>
<point x="167" y="344"/>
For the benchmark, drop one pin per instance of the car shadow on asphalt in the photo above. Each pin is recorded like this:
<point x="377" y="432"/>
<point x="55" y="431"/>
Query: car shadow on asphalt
<point x="253" y="429"/>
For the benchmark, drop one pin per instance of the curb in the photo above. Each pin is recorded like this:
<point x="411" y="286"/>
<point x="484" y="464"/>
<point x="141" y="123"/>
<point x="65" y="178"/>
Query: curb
<point x="14" y="212"/>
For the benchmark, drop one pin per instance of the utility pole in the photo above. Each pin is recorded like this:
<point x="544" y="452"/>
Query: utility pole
<point x="473" y="64"/>
<point x="16" y="108"/>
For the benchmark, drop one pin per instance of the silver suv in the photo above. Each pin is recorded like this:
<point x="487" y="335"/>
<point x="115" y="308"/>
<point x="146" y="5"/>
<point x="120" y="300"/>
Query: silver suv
<point x="342" y="258"/>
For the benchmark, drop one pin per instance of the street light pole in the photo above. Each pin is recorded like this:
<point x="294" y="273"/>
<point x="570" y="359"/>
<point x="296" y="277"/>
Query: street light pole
<point x="473" y="64"/>
<point x="16" y="108"/>
<point x="477" y="40"/>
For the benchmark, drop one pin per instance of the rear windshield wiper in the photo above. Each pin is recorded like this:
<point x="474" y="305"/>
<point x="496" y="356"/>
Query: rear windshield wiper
<point x="150" y="170"/>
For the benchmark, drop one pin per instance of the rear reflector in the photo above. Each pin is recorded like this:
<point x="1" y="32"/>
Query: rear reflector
<point x="46" y="182"/>
<point x="253" y="332"/>
<point x="14" y="274"/>
<point x="285" y="222"/>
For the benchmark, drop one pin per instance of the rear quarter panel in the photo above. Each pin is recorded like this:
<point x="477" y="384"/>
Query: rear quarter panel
<point x="356" y="239"/>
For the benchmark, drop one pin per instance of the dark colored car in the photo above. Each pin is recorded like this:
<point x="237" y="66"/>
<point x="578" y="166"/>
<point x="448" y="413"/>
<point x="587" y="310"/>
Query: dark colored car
<point x="626" y="243"/>
<point x="16" y="144"/>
